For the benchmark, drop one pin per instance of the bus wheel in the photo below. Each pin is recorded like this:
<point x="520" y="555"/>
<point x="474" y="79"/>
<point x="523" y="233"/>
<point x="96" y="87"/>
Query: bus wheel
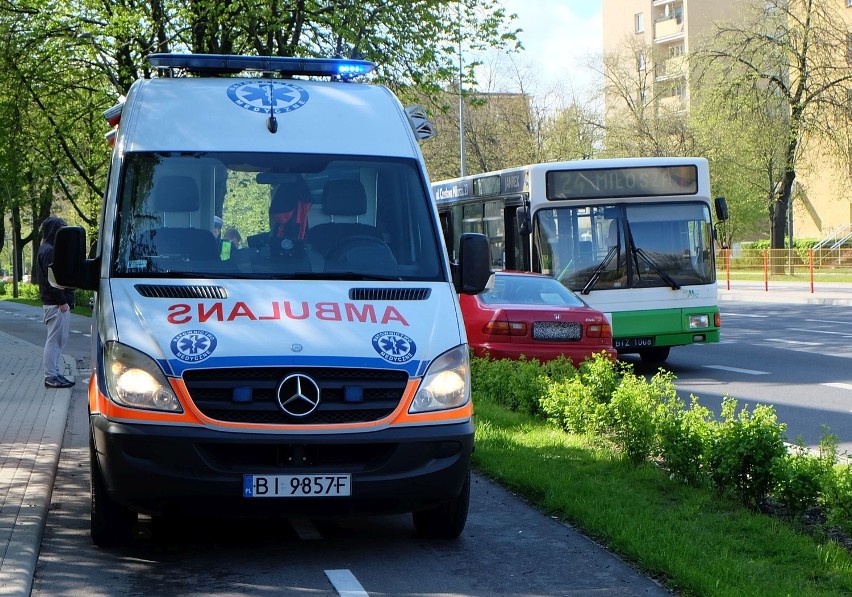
<point x="658" y="354"/>
<point x="111" y="523"/>
<point x="447" y="520"/>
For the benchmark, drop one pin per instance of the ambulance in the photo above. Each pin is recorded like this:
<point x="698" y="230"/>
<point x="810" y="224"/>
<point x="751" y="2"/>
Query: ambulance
<point x="318" y="368"/>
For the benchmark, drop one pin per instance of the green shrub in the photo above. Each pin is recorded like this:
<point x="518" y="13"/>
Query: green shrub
<point x="799" y="480"/>
<point x="516" y="385"/>
<point x="744" y="450"/>
<point x="684" y="439"/>
<point x="570" y="404"/>
<point x="632" y="415"/>
<point x="2" y="287"/>
<point x="837" y="496"/>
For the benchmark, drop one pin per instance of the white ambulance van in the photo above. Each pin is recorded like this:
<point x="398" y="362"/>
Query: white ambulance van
<point x="319" y="367"/>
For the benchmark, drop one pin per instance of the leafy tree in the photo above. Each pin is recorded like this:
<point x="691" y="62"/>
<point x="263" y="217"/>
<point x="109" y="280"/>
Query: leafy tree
<point x="791" y="53"/>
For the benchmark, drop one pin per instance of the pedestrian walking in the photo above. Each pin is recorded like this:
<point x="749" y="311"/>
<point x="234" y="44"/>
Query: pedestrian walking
<point x="57" y="304"/>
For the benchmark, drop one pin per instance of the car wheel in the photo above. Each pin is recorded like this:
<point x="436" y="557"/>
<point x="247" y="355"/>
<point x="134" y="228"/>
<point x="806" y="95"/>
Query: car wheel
<point x="658" y="354"/>
<point x="111" y="523"/>
<point x="447" y="520"/>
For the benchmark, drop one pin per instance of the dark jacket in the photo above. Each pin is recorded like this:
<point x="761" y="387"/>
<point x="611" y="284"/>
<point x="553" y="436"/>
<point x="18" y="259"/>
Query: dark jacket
<point x="47" y="293"/>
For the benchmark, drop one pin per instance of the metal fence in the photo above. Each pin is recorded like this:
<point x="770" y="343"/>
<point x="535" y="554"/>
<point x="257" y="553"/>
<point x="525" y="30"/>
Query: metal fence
<point x="811" y="265"/>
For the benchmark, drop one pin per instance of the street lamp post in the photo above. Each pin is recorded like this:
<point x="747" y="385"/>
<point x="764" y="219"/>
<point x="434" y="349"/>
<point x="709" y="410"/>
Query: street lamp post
<point x="462" y="154"/>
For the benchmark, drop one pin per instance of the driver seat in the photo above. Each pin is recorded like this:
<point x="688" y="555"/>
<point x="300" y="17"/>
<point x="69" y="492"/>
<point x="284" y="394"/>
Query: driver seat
<point x="341" y="199"/>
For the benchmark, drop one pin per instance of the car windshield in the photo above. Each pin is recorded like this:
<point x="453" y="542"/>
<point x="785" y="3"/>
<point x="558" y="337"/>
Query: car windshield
<point x="529" y="290"/>
<point x="260" y="215"/>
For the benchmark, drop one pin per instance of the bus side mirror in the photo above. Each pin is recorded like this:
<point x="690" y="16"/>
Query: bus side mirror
<point x="473" y="270"/>
<point x="721" y="209"/>
<point x="522" y="217"/>
<point x="70" y="268"/>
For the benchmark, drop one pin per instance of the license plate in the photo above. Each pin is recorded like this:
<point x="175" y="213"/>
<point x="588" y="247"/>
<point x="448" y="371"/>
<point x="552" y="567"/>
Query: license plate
<point x="281" y="486"/>
<point x="618" y="343"/>
<point x="557" y="331"/>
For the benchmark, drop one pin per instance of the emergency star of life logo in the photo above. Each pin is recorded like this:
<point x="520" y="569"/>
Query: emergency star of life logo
<point x="264" y="96"/>
<point x="394" y="347"/>
<point x="193" y="345"/>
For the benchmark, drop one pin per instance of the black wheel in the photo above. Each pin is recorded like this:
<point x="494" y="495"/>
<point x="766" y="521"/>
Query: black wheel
<point x="447" y="520"/>
<point x="111" y="523"/>
<point x="658" y="354"/>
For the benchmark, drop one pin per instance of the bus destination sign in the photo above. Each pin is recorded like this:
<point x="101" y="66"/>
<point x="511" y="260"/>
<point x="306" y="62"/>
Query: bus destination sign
<point x="615" y="183"/>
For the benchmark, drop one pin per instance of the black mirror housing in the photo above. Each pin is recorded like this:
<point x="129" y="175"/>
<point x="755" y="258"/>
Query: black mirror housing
<point x="721" y="209"/>
<point x="473" y="270"/>
<point x="70" y="268"/>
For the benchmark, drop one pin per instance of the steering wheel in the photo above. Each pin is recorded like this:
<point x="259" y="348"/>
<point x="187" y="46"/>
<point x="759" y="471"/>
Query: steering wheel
<point x="356" y="242"/>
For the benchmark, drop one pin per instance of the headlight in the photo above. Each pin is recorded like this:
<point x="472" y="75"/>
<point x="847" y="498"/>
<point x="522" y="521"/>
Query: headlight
<point x="135" y="380"/>
<point x="447" y="383"/>
<point x="699" y="322"/>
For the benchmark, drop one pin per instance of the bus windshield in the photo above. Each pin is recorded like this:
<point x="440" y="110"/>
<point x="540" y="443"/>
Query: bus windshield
<point x="607" y="247"/>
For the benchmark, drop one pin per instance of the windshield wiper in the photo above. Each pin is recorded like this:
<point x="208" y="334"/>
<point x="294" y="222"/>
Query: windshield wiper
<point x="593" y="279"/>
<point x="659" y="271"/>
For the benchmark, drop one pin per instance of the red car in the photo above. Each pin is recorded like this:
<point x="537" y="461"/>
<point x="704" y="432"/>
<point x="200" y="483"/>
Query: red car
<point x="535" y="316"/>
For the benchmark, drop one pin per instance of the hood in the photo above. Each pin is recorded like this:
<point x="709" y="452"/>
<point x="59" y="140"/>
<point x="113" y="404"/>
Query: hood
<point x="268" y="323"/>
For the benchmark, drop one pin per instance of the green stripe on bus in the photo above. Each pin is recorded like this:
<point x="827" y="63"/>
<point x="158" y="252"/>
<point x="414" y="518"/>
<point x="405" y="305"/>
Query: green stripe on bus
<point x="669" y="327"/>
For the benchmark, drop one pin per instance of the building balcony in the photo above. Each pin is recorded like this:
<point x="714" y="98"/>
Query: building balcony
<point x="668" y="29"/>
<point x="671" y="68"/>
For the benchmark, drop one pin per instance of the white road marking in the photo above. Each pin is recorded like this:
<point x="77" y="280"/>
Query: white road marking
<point x="845" y="334"/>
<point x="785" y="341"/>
<point x="744" y="315"/>
<point x="842" y="386"/>
<point x="827" y="321"/>
<point x="345" y="583"/>
<point x="737" y="370"/>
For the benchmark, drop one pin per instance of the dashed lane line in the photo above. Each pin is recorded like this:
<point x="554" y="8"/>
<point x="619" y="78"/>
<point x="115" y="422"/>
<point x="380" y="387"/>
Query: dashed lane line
<point x="796" y="342"/>
<point x="840" y="385"/>
<point x="345" y="583"/>
<point x="736" y="370"/>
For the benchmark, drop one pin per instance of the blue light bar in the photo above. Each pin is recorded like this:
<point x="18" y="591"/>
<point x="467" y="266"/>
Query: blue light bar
<point x="214" y="64"/>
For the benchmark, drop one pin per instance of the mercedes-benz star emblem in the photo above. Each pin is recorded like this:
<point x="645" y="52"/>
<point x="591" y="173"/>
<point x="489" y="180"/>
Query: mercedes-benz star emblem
<point x="298" y="395"/>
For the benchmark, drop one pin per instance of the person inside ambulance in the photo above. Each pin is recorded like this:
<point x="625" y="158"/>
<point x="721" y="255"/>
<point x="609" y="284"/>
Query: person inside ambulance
<point x="288" y="222"/>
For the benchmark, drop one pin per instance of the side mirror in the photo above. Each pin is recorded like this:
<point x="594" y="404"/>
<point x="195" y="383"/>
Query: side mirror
<point x="70" y="268"/>
<point x="522" y="218"/>
<point x="721" y="209"/>
<point x="473" y="270"/>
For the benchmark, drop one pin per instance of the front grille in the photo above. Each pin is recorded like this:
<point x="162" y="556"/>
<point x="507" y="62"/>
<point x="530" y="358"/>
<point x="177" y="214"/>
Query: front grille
<point x="248" y="395"/>
<point x="557" y="331"/>
<point x="389" y="294"/>
<point x="247" y="457"/>
<point x="187" y="292"/>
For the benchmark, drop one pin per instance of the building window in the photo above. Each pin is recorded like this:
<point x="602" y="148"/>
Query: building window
<point x="677" y="49"/>
<point x="639" y="21"/>
<point x="641" y="63"/>
<point x="848" y="2"/>
<point x="849" y="48"/>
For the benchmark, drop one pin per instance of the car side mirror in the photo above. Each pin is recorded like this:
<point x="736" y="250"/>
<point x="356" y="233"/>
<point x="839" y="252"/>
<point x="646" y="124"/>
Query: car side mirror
<point x="473" y="270"/>
<point x="70" y="268"/>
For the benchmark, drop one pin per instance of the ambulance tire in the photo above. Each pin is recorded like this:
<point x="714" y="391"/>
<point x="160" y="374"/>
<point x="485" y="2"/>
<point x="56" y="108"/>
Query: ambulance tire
<point x="111" y="523"/>
<point x="658" y="354"/>
<point x="447" y="520"/>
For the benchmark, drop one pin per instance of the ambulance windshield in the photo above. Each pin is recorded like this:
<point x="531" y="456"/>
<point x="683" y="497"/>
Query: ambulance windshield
<point x="267" y="215"/>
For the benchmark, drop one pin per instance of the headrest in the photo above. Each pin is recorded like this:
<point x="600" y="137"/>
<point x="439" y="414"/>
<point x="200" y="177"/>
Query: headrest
<point x="177" y="193"/>
<point x="289" y="194"/>
<point x="344" y="198"/>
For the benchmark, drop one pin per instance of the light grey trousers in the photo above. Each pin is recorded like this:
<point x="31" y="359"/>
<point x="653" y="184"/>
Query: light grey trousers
<point x="58" y="328"/>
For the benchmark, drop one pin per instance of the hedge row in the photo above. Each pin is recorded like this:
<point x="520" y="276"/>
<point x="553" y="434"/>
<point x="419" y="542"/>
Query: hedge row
<point x="30" y="291"/>
<point x="742" y="452"/>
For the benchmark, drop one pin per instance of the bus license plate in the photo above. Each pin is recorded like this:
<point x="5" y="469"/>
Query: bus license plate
<point x="282" y="486"/>
<point x="619" y="343"/>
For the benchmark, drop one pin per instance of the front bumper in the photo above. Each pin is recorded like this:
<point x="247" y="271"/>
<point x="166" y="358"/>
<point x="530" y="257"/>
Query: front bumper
<point x="163" y="469"/>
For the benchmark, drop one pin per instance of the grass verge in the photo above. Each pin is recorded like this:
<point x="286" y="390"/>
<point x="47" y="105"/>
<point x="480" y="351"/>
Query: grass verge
<point x="692" y="540"/>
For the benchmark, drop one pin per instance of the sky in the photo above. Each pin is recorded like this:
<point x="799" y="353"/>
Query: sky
<point x="557" y="35"/>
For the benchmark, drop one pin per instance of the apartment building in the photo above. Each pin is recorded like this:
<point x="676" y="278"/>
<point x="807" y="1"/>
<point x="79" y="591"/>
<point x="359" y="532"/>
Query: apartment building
<point x="658" y="35"/>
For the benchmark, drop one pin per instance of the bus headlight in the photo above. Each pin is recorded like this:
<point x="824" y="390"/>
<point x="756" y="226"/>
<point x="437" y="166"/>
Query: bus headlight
<point x="699" y="322"/>
<point x="135" y="380"/>
<point x="447" y="383"/>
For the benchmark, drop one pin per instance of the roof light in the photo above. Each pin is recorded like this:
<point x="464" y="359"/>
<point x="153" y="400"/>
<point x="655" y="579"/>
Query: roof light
<point x="110" y="137"/>
<point x="214" y="64"/>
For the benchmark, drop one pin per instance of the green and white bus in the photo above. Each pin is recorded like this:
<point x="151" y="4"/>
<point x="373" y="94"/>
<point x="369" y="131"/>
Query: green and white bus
<point x="633" y="236"/>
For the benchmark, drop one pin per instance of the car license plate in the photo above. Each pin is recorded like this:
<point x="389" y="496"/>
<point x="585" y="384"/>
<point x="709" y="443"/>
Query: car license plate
<point x="557" y="331"/>
<point x="619" y="343"/>
<point x="281" y="486"/>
